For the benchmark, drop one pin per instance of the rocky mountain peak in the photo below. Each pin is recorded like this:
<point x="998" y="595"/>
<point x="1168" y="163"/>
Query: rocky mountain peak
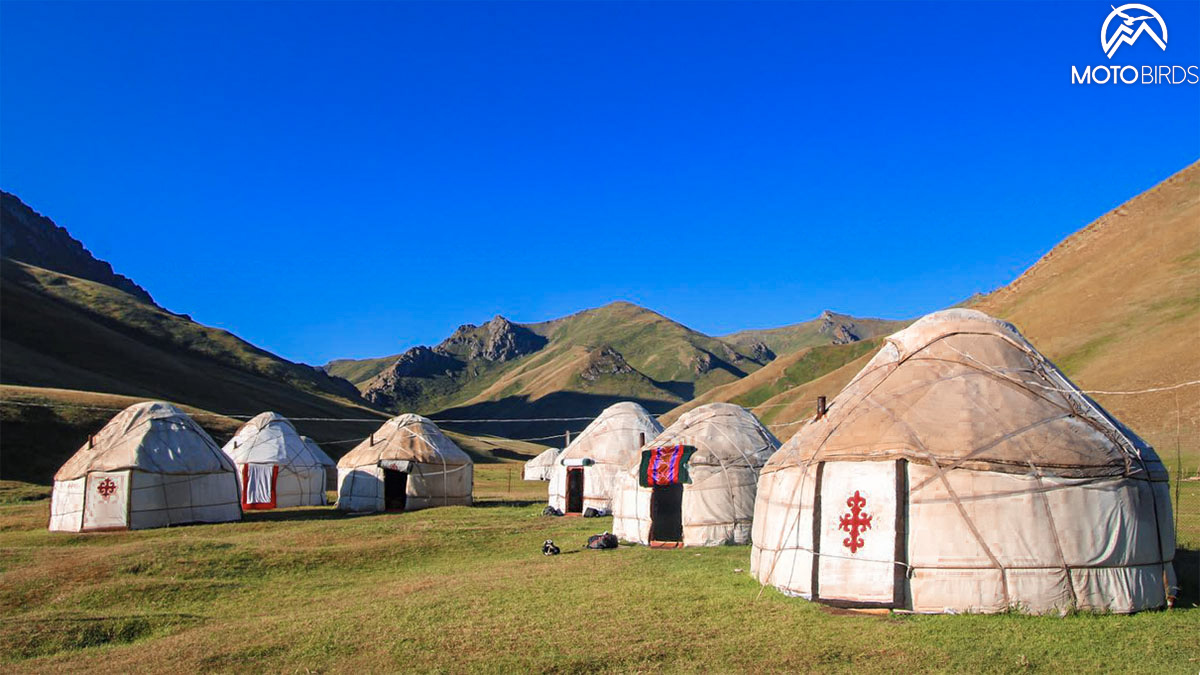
<point x="839" y="328"/>
<point x="496" y="340"/>
<point x="605" y="360"/>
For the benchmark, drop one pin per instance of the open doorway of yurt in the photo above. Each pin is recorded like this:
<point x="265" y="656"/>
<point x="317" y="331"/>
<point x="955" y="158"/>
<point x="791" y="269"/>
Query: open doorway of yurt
<point x="666" y="514"/>
<point x="575" y="489"/>
<point x="395" y="490"/>
<point x="258" y="486"/>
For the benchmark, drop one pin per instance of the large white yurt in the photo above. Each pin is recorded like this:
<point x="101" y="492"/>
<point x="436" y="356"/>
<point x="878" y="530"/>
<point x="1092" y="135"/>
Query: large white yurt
<point x="584" y="474"/>
<point x="150" y="466"/>
<point x="694" y="484"/>
<point x="407" y="464"/>
<point x="540" y="467"/>
<point x="960" y="471"/>
<point x="276" y="467"/>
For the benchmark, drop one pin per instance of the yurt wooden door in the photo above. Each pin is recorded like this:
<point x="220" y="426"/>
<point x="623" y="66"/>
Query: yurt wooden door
<point x="859" y="533"/>
<point x="395" y="490"/>
<point x="575" y="489"/>
<point x="666" y="513"/>
<point x="106" y="501"/>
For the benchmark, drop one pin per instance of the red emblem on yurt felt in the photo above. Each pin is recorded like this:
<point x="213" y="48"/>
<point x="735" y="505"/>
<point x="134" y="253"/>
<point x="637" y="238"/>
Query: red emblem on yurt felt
<point x="106" y="488"/>
<point x="855" y="522"/>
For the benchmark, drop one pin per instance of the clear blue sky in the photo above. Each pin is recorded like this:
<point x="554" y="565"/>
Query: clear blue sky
<point x="331" y="180"/>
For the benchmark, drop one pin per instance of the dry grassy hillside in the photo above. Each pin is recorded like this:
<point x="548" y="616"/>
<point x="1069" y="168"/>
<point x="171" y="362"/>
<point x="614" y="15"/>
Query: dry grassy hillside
<point x="782" y="381"/>
<point x="1117" y="307"/>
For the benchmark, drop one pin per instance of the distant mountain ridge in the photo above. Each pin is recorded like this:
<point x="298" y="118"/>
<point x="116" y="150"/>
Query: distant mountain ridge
<point x="32" y="238"/>
<point x="83" y="331"/>
<point x="593" y="357"/>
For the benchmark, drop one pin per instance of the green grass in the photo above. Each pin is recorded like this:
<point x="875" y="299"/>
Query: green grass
<point x="467" y="589"/>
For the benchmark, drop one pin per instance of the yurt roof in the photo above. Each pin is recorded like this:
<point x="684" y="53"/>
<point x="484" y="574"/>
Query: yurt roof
<point x="406" y="437"/>
<point x="151" y="436"/>
<point x="544" y="458"/>
<point x="270" y="438"/>
<point x="960" y="389"/>
<point x="723" y="434"/>
<point x="608" y="438"/>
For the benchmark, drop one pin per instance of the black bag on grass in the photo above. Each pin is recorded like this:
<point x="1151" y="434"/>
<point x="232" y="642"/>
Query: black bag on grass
<point x="551" y="511"/>
<point x="599" y="541"/>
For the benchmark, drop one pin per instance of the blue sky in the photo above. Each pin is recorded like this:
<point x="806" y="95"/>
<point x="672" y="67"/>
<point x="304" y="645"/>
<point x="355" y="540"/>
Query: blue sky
<point x="348" y="180"/>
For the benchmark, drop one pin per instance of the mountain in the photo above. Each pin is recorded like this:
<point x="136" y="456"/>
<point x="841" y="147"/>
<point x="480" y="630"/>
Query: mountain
<point x="568" y="367"/>
<point x="782" y="381"/>
<point x="828" y="328"/>
<point x="33" y="238"/>
<point x="576" y="365"/>
<point x="1117" y="307"/>
<point x="103" y="334"/>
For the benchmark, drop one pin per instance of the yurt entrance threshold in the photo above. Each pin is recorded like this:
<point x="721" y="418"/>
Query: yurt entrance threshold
<point x="666" y="515"/>
<point x="575" y="489"/>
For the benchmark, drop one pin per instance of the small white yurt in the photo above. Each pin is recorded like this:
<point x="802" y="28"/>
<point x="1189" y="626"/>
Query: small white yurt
<point x="326" y="461"/>
<point x="276" y="467"/>
<point x="584" y="474"/>
<point x="407" y="464"/>
<point x="960" y="471"/>
<point x="694" y="484"/>
<point x="150" y="466"/>
<point x="540" y="467"/>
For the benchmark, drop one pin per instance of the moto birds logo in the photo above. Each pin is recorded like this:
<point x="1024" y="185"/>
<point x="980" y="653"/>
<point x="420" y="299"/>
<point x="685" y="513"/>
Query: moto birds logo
<point x="1125" y="25"/>
<point x="1130" y="28"/>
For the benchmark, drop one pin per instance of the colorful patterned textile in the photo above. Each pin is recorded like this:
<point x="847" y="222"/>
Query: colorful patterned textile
<point x="665" y="466"/>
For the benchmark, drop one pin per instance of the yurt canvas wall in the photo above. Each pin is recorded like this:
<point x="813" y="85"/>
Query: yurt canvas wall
<point x="960" y="471"/>
<point x="406" y="464"/>
<point x="276" y="468"/>
<point x="541" y="467"/>
<point x="705" y="492"/>
<point x="584" y="474"/>
<point x="150" y="466"/>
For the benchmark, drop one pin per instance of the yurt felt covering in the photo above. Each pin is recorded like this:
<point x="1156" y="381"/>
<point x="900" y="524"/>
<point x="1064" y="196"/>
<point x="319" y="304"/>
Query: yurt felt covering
<point x="727" y="447"/>
<point x="437" y="472"/>
<point x="960" y="471"/>
<point x="268" y="446"/>
<point x="151" y="466"/>
<point x="601" y="451"/>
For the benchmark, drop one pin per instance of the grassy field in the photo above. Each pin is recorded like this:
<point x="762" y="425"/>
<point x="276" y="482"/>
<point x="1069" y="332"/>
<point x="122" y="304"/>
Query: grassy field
<point x="311" y="590"/>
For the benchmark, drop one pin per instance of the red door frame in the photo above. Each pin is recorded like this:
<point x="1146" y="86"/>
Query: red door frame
<point x="274" y="492"/>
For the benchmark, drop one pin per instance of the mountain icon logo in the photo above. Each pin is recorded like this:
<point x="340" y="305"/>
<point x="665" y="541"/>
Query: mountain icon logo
<point x="1135" y="19"/>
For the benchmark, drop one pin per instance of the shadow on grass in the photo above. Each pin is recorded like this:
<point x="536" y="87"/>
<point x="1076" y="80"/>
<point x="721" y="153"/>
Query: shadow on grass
<point x="495" y="503"/>
<point x="1187" y="572"/>
<point x="288" y="515"/>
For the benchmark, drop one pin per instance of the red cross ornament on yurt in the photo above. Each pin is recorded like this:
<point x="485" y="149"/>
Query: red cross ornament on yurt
<point x="855" y="522"/>
<point x="106" y="488"/>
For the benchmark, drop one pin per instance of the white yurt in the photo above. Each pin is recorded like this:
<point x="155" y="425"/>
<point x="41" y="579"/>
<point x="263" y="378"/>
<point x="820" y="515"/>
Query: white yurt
<point x="326" y="461"/>
<point x="150" y="466"/>
<point x="276" y="467"/>
<point x="407" y="464"/>
<point x="960" y="471"/>
<point x="694" y="484"/>
<point x="584" y="474"/>
<point x="540" y="467"/>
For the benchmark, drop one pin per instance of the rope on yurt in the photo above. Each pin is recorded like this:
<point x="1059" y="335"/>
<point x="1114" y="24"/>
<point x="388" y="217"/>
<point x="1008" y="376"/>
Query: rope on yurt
<point x="1045" y="501"/>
